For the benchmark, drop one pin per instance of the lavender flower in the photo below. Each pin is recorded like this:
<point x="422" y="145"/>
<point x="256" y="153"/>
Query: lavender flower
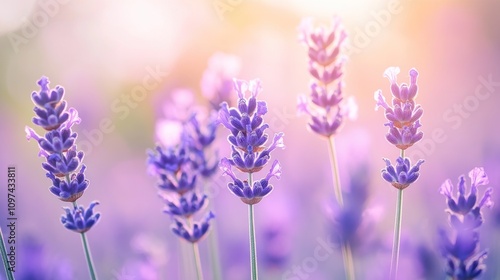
<point x="250" y="194"/>
<point x="58" y="148"/>
<point x="401" y="175"/>
<point x="80" y="219"/>
<point x="185" y="207"/>
<point x="197" y="230"/>
<point x="58" y="144"/>
<point x="326" y="105"/>
<point x="248" y="139"/>
<point x="177" y="168"/>
<point x="173" y="168"/>
<point x="405" y="114"/>
<point x="217" y="80"/>
<point x="463" y="257"/>
<point x="71" y="191"/>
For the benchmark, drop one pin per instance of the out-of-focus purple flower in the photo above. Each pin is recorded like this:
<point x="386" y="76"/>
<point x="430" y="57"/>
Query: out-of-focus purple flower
<point x="184" y="207"/>
<point x="325" y="105"/>
<point x="80" y="219"/>
<point x="192" y="233"/>
<point x="403" y="174"/>
<point x="461" y="250"/>
<point x="276" y="250"/>
<point x="200" y="138"/>
<point x="34" y="261"/>
<point x="217" y="80"/>
<point x="248" y="138"/>
<point x="71" y="191"/>
<point x="173" y="168"/>
<point x="404" y="115"/>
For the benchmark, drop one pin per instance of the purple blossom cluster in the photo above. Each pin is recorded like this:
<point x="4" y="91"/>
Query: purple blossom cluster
<point x="325" y="105"/>
<point x="248" y="139"/>
<point x="178" y="169"/>
<point x="63" y="162"/>
<point x="403" y="122"/>
<point x="464" y="259"/>
<point x="404" y="115"/>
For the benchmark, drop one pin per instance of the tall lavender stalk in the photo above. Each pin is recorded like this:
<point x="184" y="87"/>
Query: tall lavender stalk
<point x="58" y="148"/>
<point x="249" y="154"/>
<point x="178" y="168"/>
<point x="464" y="260"/>
<point x="404" y="121"/>
<point x="217" y="87"/>
<point x="326" y="106"/>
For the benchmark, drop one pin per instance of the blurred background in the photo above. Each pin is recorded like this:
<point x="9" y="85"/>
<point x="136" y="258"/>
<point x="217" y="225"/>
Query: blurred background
<point x="100" y="51"/>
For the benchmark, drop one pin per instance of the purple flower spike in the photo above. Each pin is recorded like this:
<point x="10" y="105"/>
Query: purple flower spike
<point x="80" y="219"/>
<point x="57" y="146"/>
<point x="404" y="115"/>
<point x="401" y="175"/>
<point x="194" y="232"/>
<point x="217" y="80"/>
<point x="248" y="142"/>
<point x="325" y="106"/>
<point x="464" y="260"/>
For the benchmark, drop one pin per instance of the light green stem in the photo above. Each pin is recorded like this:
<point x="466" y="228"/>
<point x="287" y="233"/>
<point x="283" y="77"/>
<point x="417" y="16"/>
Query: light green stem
<point x="397" y="236"/>
<point x="8" y="273"/>
<point x="197" y="261"/>
<point x="397" y="232"/>
<point x="88" y="255"/>
<point x="251" y="226"/>
<point x="214" y="253"/>
<point x="346" y="247"/>
<point x="335" y="171"/>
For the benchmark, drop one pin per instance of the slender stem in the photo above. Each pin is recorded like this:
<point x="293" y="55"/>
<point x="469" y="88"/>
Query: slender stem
<point x="348" y="261"/>
<point x="197" y="261"/>
<point x="213" y="244"/>
<point x="8" y="272"/>
<point x="397" y="232"/>
<point x="214" y="253"/>
<point x="335" y="171"/>
<point x="196" y="254"/>
<point x="251" y="226"/>
<point x="88" y="254"/>
<point x="346" y="247"/>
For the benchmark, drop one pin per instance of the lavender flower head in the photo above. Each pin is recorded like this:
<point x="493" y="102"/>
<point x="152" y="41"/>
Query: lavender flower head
<point x="178" y="167"/>
<point x="58" y="148"/>
<point x="325" y="105"/>
<point x="217" y="80"/>
<point x="404" y="115"/>
<point x="461" y="249"/>
<point x="248" y="138"/>
<point x="402" y="174"/>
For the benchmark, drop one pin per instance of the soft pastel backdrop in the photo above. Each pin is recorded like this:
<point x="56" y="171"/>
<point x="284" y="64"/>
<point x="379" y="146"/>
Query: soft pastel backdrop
<point x="100" y="50"/>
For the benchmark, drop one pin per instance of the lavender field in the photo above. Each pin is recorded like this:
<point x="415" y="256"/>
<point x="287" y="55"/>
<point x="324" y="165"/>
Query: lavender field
<point x="234" y="139"/>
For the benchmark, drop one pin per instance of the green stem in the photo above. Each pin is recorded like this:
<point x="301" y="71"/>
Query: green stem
<point x="397" y="232"/>
<point x="214" y="253"/>
<point x="346" y="247"/>
<point x="8" y="272"/>
<point x="196" y="254"/>
<point x="197" y="261"/>
<point x="253" y="247"/>
<point x="335" y="171"/>
<point x="88" y="255"/>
